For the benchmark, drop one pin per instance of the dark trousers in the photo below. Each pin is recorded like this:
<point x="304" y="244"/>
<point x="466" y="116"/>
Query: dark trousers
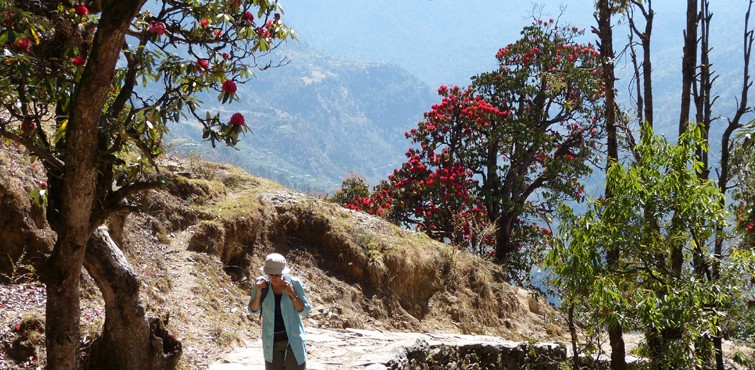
<point x="283" y="358"/>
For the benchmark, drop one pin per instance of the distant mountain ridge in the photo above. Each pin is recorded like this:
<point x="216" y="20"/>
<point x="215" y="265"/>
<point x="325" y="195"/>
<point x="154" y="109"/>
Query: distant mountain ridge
<point x="318" y="119"/>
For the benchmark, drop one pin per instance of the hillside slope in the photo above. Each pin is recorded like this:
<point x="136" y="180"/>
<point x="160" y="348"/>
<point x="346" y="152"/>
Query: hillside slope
<point x="317" y="119"/>
<point x="199" y="242"/>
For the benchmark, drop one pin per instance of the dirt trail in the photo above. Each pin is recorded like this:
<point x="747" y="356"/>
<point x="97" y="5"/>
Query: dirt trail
<point x="352" y="348"/>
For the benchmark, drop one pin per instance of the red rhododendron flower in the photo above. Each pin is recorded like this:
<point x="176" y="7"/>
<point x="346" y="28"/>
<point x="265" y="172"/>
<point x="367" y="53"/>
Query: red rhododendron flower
<point x="263" y="33"/>
<point x="226" y="56"/>
<point x="7" y="19"/>
<point x="237" y="119"/>
<point x="229" y="87"/>
<point x="43" y="185"/>
<point x="78" y="60"/>
<point x="203" y="65"/>
<point x="28" y="126"/>
<point x="81" y="9"/>
<point x="248" y="17"/>
<point x="217" y="32"/>
<point x="157" y="28"/>
<point x="204" y="23"/>
<point x="23" y="44"/>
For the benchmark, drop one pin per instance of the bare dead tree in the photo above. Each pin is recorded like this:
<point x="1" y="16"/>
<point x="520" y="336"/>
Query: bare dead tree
<point x="642" y="72"/>
<point x="689" y="63"/>
<point x="702" y="85"/>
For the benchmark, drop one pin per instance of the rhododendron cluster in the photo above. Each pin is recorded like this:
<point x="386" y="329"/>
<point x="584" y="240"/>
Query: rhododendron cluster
<point x="8" y="19"/>
<point x="221" y="45"/>
<point x="157" y="28"/>
<point x="202" y="65"/>
<point x="78" y="60"/>
<point x="144" y="70"/>
<point x="28" y="126"/>
<point x="745" y="215"/>
<point x="431" y="191"/>
<point x="270" y="30"/>
<point x="521" y="132"/>
<point x="237" y="119"/>
<point x="229" y="87"/>
<point x="81" y="9"/>
<point x="23" y="44"/>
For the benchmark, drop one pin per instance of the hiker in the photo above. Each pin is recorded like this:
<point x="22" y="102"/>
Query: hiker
<point x="282" y="330"/>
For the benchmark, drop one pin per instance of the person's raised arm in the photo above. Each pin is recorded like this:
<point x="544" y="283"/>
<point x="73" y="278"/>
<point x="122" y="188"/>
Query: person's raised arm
<point x="254" y="301"/>
<point x="298" y="297"/>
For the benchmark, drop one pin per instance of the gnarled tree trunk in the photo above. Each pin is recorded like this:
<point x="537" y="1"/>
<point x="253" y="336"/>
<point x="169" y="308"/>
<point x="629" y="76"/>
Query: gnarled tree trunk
<point x="62" y="277"/>
<point x="130" y="340"/>
<point x="71" y="215"/>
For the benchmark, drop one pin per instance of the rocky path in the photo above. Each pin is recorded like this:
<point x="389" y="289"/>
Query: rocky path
<point x="352" y="348"/>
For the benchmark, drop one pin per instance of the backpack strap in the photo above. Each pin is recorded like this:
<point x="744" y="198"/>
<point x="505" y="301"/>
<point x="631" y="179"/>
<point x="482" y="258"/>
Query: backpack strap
<point x="263" y="295"/>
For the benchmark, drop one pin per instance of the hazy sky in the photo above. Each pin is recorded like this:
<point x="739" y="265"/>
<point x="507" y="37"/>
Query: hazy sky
<point x="447" y="42"/>
<point x="441" y="41"/>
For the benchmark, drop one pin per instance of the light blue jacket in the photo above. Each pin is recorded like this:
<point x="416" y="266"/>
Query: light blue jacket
<point x="292" y="319"/>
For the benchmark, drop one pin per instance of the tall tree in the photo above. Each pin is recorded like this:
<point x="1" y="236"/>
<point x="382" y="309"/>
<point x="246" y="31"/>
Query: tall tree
<point x="698" y="80"/>
<point x="517" y="140"/>
<point x="704" y="99"/>
<point x="88" y="87"/>
<point x="607" y="57"/>
<point x="636" y="290"/>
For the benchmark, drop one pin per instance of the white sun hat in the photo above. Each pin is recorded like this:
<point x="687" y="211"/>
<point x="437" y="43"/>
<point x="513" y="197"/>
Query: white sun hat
<point x="275" y="264"/>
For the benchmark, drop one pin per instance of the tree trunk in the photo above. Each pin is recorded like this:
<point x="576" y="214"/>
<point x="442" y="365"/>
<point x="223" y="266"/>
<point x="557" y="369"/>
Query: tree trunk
<point x="719" y="352"/>
<point x="689" y="64"/>
<point x="62" y="277"/>
<point x="504" y="248"/>
<point x="605" y="32"/>
<point x="655" y="347"/>
<point x="647" y="66"/>
<point x="129" y="340"/>
<point x="573" y="334"/>
<point x="77" y="189"/>
<point x="115" y="225"/>
<point x="703" y="92"/>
